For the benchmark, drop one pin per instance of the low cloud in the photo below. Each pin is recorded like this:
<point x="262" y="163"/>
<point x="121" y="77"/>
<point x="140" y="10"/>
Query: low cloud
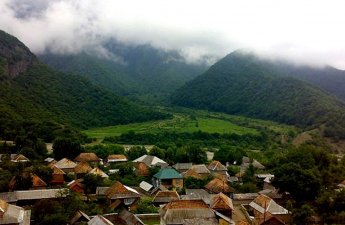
<point x="301" y="31"/>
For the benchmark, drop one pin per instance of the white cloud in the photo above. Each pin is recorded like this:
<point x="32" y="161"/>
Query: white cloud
<point x="307" y="31"/>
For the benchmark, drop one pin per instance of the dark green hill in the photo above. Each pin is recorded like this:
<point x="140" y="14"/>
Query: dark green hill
<point x="30" y="91"/>
<point x="327" y="78"/>
<point x="242" y="84"/>
<point x="142" y="72"/>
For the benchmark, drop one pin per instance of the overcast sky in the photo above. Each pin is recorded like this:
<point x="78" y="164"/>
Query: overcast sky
<point x="310" y="31"/>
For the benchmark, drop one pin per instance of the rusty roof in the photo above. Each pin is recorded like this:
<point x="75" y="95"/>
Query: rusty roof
<point x="82" y="167"/>
<point x="56" y="170"/>
<point x="37" y="181"/>
<point x="166" y="196"/>
<point x="118" y="190"/>
<point x="87" y="157"/>
<point x="117" y="156"/>
<point x="216" y="166"/>
<point x="186" y="204"/>
<point x="192" y="173"/>
<point x="221" y="201"/>
<point x="217" y="185"/>
<point x="98" y="172"/>
<point x="65" y="164"/>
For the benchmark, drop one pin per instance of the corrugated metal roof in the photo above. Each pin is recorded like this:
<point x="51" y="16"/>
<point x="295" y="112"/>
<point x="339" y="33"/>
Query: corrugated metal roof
<point x="168" y="173"/>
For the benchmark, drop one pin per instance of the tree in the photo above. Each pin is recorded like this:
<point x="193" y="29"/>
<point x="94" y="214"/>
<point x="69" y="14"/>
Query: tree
<point x="66" y="147"/>
<point x="302" y="184"/>
<point x="5" y="177"/>
<point x="157" y="152"/>
<point x="91" y="182"/>
<point x="196" y="154"/>
<point x="135" y="152"/>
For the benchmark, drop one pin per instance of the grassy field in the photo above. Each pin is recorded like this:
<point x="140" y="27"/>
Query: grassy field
<point x="179" y="123"/>
<point x="192" y="121"/>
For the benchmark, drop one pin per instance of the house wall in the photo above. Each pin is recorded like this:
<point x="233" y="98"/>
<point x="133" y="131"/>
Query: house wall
<point x="177" y="183"/>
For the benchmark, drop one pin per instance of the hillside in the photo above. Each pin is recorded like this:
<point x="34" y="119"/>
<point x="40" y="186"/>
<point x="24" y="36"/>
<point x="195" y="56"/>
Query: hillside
<point x="242" y="84"/>
<point x="326" y="78"/>
<point x="30" y="91"/>
<point x="142" y="72"/>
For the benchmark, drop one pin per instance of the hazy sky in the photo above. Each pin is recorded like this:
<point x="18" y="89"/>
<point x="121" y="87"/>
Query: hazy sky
<point x="310" y="31"/>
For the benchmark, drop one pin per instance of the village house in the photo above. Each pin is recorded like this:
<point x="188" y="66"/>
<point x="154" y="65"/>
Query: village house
<point x="89" y="157"/>
<point x="124" y="217"/>
<point x="99" y="220"/>
<point x="36" y="182"/>
<point x="151" y="161"/>
<point x="82" y="169"/>
<point x="13" y="215"/>
<point x="246" y="162"/>
<point x="57" y="176"/>
<point x="98" y="172"/>
<point x="193" y="174"/>
<point x="216" y="167"/>
<point x="223" y="204"/>
<point x="265" y="210"/>
<point x="79" y="218"/>
<point x="29" y="197"/>
<point x="182" y="167"/>
<point x="168" y="177"/>
<point x="197" y="194"/>
<point x="187" y="211"/>
<point x="190" y="212"/>
<point x="66" y="165"/>
<point x="267" y="180"/>
<point x="141" y="169"/>
<point x="164" y="197"/>
<point x="201" y="169"/>
<point x="119" y="194"/>
<point x="217" y="186"/>
<point x="116" y="158"/>
<point x="17" y="158"/>
<point x="76" y="186"/>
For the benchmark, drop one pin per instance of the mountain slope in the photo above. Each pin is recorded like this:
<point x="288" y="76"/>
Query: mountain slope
<point x="241" y="84"/>
<point x="132" y="70"/>
<point x="327" y="78"/>
<point x="36" y="92"/>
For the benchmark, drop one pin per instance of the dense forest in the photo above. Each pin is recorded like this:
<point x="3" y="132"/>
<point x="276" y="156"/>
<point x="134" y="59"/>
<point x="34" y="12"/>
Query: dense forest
<point x="33" y="93"/>
<point x="239" y="84"/>
<point x="140" y="72"/>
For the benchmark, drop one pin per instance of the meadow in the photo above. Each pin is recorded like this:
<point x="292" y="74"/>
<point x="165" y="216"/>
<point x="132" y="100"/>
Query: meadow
<point x="192" y="121"/>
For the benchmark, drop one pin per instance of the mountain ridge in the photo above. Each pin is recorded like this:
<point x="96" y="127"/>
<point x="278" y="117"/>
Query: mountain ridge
<point x="240" y="84"/>
<point x="39" y="93"/>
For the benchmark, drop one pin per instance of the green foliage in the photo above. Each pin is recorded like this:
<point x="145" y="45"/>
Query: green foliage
<point x="103" y="151"/>
<point x="241" y="84"/>
<point x="193" y="183"/>
<point x="5" y="177"/>
<point x="248" y="188"/>
<point x="196" y="154"/>
<point x="135" y="152"/>
<point x="145" y="206"/>
<point x="66" y="148"/>
<point x="156" y="151"/>
<point x="229" y="154"/>
<point x="91" y="182"/>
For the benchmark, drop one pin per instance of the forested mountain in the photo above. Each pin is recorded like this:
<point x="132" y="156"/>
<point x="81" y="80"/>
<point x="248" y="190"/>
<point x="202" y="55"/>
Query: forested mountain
<point x="143" y="72"/>
<point x="327" y="78"/>
<point x="30" y="91"/>
<point x="242" y="84"/>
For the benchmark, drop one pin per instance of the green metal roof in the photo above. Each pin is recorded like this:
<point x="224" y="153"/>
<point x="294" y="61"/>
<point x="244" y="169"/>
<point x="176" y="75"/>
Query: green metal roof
<point x="167" y="173"/>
